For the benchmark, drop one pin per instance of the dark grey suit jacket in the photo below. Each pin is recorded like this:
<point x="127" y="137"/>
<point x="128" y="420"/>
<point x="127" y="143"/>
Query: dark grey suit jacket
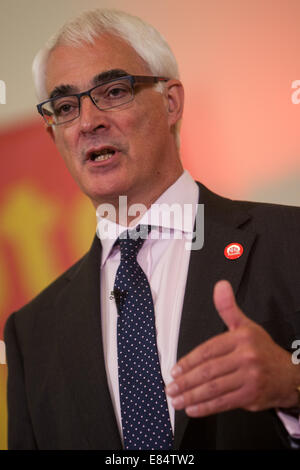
<point x="58" y="396"/>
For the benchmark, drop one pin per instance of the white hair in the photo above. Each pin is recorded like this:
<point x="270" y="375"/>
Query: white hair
<point x="144" y="38"/>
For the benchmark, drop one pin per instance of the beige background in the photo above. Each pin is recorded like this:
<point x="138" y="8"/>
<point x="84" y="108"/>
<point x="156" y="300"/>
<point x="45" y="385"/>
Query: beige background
<point x="238" y="59"/>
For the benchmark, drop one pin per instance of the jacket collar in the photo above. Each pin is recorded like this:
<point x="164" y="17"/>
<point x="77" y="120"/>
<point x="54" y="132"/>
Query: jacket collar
<point x="82" y="352"/>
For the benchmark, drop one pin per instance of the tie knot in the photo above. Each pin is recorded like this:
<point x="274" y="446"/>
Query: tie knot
<point x="131" y="241"/>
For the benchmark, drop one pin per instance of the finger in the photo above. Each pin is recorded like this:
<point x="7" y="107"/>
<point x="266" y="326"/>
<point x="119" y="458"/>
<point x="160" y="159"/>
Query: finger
<point x="226" y="402"/>
<point x="218" y="346"/>
<point x="209" y="391"/>
<point x="202" y="374"/>
<point x="227" y="307"/>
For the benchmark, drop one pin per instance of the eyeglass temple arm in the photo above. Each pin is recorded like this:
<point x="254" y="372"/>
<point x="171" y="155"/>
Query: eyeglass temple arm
<point x="145" y="79"/>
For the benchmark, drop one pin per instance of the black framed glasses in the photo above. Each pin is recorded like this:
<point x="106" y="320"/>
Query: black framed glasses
<point x="107" y="95"/>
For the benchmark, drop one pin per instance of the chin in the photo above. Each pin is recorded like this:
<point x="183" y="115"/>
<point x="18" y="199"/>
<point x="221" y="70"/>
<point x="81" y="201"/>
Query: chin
<point x="105" y="195"/>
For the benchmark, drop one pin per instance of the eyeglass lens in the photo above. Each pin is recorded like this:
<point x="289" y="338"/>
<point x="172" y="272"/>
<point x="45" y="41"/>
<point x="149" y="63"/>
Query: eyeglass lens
<point x="105" y="96"/>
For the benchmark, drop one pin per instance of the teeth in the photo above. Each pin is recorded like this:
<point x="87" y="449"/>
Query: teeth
<point x="101" y="158"/>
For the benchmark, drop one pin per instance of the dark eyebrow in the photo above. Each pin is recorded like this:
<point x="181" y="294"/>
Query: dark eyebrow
<point x="64" y="90"/>
<point x="109" y="75"/>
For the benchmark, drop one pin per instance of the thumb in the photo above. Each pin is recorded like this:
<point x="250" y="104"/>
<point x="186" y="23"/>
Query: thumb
<point x="227" y="307"/>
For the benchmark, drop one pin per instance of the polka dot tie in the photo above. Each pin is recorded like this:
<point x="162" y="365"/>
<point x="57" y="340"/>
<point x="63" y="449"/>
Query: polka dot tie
<point x="144" y="410"/>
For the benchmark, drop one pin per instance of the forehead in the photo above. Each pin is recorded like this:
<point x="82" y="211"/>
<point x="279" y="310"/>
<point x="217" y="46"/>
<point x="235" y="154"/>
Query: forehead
<point x="69" y="65"/>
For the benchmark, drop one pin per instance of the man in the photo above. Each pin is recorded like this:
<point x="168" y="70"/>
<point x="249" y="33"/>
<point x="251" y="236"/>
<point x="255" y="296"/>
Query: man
<point x="113" y="102"/>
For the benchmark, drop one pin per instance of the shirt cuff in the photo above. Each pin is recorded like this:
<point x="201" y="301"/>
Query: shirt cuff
<point x="291" y="423"/>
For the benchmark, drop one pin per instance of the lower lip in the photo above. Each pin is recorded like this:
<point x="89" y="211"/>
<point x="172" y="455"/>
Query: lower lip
<point x="103" y="163"/>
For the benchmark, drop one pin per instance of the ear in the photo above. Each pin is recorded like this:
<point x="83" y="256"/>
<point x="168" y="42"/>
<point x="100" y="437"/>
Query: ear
<point x="49" y="129"/>
<point x="175" y="101"/>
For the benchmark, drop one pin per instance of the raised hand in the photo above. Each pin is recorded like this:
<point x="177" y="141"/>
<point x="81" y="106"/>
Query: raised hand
<point x="241" y="368"/>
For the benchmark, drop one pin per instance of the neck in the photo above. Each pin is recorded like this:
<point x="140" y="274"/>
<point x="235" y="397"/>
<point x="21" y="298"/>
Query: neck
<point x="127" y="210"/>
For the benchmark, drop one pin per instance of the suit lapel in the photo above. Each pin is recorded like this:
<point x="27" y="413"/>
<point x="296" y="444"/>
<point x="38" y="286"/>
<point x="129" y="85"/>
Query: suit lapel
<point x="82" y="353"/>
<point x="200" y="321"/>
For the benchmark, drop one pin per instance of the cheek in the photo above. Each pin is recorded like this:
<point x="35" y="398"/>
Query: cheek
<point x="154" y="132"/>
<point x="65" y="144"/>
<point x="149" y="127"/>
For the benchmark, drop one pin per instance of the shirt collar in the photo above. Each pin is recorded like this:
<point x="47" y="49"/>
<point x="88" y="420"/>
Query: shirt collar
<point x="175" y="209"/>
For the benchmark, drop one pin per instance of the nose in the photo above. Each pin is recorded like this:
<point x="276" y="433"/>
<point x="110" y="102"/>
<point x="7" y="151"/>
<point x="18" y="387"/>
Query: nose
<point x="91" y="117"/>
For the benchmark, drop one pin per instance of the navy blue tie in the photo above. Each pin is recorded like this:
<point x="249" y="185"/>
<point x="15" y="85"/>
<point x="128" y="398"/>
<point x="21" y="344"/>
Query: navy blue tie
<point x="144" y="410"/>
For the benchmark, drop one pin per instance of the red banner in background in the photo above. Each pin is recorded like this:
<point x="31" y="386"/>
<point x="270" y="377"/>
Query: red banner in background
<point x="46" y="223"/>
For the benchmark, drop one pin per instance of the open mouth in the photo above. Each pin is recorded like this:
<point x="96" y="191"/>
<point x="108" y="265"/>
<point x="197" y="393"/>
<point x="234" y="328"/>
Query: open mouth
<point x="101" y="155"/>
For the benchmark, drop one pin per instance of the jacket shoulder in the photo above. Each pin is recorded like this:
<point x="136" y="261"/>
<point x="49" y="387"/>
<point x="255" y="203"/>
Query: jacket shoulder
<point x="45" y="299"/>
<point x="263" y="215"/>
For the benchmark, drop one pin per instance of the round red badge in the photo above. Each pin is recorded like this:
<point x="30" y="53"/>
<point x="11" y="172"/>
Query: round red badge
<point x="233" y="250"/>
